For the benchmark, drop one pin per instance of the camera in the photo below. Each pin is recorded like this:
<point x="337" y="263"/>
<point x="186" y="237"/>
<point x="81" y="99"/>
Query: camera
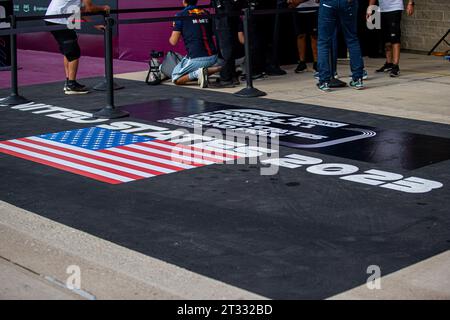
<point x="157" y="54"/>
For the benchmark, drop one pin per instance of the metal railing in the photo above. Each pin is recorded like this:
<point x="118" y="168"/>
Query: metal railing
<point x="110" y="111"/>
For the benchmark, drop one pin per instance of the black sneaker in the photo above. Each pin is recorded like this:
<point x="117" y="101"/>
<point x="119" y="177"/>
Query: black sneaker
<point x="73" y="87"/>
<point x="301" y="67"/>
<point x="257" y="76"/>
<point x="386" y="68"/>
<point x="220" y="84"/>
<point x="275" y="71"/>
<point x="395" y="71"/>
<point x="66" y="84"/>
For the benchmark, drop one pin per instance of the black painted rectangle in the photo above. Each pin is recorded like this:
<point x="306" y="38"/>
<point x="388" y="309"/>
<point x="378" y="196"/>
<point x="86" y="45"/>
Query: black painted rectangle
<point x="392" y="148"/>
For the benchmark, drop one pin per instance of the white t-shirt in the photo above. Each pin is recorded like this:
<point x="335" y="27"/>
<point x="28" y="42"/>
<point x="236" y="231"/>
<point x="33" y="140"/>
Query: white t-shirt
<point x="391" y="5"/>
<point x="61" y="7"/>
<point x="308" y="4"/>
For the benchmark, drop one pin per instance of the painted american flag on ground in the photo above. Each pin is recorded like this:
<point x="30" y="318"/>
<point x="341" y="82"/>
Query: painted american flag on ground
<point x="111" y="156"/>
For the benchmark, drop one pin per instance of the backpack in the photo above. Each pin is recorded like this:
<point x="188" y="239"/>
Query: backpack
<point x="158" y="71"/>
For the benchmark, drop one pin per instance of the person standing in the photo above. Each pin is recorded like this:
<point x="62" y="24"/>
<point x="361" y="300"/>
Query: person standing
<point x="391" y="17"/>
<point x="346" y="12"/>
<point x="67" y="39"/>
<point x="227" y="28"/>
<point x="306" y="24"/>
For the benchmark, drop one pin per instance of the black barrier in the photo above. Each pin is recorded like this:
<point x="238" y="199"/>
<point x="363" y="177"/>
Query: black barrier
<point x="110" y="111"/>
<point x="249" y="91"/>
<point x="103" y="85"/>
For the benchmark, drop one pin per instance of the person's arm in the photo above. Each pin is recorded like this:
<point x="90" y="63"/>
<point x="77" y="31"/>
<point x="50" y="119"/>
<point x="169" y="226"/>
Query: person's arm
<point x="88" y="6"/>
<point x="175" y="37"/>
<point x="177" y="31"/>
<point x="294" y="3"/>
<point x="410" y="8"/>
<point x="369" y="10"/>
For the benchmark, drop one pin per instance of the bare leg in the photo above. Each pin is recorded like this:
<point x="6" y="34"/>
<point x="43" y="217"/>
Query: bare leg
<point x="183" y="80"/>
<point x="66" y="67"/>
<point x="72" y="68"/>
<point x="301" y="46"/>
<point x="213" y="70"/>
<point x="396" y="53"/>
<point x="388" y="48"/>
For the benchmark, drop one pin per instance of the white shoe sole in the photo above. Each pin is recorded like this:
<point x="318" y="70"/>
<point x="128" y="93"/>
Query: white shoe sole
<point x="75" y="92"/>
<point x="203" y="80"/>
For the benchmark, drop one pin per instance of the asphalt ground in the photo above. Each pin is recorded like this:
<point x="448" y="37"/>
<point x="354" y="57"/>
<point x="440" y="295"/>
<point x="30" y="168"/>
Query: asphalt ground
<point x="302" y="233"/>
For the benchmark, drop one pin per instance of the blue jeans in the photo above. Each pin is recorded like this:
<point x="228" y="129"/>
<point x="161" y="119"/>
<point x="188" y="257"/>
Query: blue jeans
<point x="190" y="66"/>
<point x="346" y="13"/>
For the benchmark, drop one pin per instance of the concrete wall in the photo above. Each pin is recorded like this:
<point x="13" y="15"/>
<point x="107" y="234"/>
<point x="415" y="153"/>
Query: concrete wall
<point x="428" y="24"/>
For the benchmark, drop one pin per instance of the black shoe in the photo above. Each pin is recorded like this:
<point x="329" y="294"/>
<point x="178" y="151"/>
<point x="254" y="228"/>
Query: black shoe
<point x="257" y="76"/>
<point x="73" y="87"/>
<point x="301" y="67"/>
<point x="386" y="68"/>
<point x="275" y="71"/>
<point x="395" y="71"/>
<point x="236" y="81"/>
<point x="220" y="84"/>
<point x="315" y="67"/>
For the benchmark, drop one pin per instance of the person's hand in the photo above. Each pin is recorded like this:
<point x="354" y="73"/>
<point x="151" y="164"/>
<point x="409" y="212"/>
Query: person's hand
<point x="100" y="27"/>
<point x="107" y="9"/>
<point x="293" y="3"/>
<point x="410" y="9"/>
<point x="368" y="13"/>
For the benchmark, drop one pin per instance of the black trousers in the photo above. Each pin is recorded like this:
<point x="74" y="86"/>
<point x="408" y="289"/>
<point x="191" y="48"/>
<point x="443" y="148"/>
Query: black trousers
<point x="226" y="32"/>
<point x="264" y="33"/>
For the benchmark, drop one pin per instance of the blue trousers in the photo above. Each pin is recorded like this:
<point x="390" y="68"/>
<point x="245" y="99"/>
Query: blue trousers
<point x="190" y="66"/>
<point x="331" y="14"/>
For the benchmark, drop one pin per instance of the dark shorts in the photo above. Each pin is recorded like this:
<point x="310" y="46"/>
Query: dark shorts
<point x="391" y="26"/>
<point x="306" y="23"/>
<point x="67" y="40"/>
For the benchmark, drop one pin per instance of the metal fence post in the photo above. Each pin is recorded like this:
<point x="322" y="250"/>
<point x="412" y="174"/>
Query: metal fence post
<point x="110" y="111"/>
<point x="102" y="86"/>
<point x="249" y="91"/>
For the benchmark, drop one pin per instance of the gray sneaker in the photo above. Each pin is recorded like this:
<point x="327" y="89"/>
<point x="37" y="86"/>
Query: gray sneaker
<point x="357" y="84"/>
<point x="324" y="87"/>
<point x="203" y="78"/>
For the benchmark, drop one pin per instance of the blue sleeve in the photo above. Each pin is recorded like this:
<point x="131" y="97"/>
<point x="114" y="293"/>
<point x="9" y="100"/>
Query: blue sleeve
<point x="178" y="25"/>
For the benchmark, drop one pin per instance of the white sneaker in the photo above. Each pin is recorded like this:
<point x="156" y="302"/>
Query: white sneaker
<point x="203" y="77"/>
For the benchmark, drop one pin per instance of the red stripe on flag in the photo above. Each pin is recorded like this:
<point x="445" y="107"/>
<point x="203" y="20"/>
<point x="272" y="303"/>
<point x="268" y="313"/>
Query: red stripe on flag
<point x="91" y="156"/>
<point x="77" y="161"/>
<point x="130" y="157"/>
<point x="161" y="156"/>
<point x="206" y="151"/>
<point x="61" y="167"/>
<point x="174" y="152"/>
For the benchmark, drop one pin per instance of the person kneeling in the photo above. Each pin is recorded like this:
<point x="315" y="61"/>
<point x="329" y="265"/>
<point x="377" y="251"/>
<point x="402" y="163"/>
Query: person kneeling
<point x="198" y="40"/>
